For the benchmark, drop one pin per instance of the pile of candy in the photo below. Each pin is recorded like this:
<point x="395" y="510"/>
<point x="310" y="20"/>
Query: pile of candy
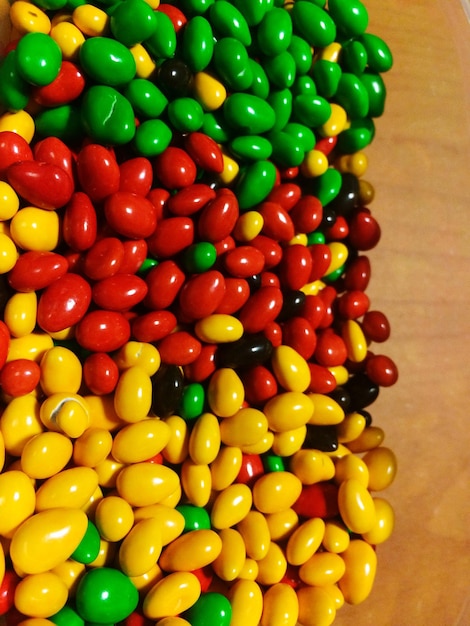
<point x="184" y="353"/>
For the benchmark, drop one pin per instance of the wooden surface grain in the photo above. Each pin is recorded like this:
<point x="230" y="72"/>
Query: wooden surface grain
<point x="418" y="165"/>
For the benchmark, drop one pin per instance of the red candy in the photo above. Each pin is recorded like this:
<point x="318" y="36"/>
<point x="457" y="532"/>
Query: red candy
<point x="205" y="152"/>
<point x="136" y="176"/>
<point x="298" y="333"/>
<point x="175" y="168"/>
<point x="218" y="217"/>
<point x="317" y="500"/>
<point x="331" y="349"/>
<point x="307" y="214"/>
<point x="203" y="366"/>
<point x="66" y="87"/>
<point x="130" y="215"/>
<point x="381" y="370"/>
<point x="260" y="385"/>
<point x="236" y="294"/>
<point x="296" y="267"/>
<point x="164" y="282"/>
<point x="103" y="331"/>
<point x="357" y="275"/>
<point x="270" y="249"/>
<point x="262" y="308"/>
<point x="179" y="348"/>
<point x="44" y="185"/>
<point x="364" y="231"/>
<point x="376" y="326"/>
<point x="321" y="379"/>
<point x="277" y="222"/>
<point x="353" y="304"/>
<point x="191" y="301"/>
<point x="53" y="150"/>
<point x="80" y="222"/>
<point x="244" y="261"/>
<point x="101" y="374"/>
<point x="287" y="195"/>
<point x="190" y="199"/>
<point x="4" y="342"/>
<point x="153" y="326"/>
<point x="171" y="237"/>
<point x="63" y="303"/>
<point x="98" y="172"/>
<point x="120" y="292"/>
<point x="19" y="377"/>
<point x="135" y="253"/>
<point x="321" y="258"/>
<point x="36" y="270"/>
<point x="13" y="148"/>
<point x="104" y="258"/>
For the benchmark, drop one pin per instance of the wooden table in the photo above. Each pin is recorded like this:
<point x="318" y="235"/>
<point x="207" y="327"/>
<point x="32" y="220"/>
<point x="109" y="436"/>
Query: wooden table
<point x="419" y="168"/>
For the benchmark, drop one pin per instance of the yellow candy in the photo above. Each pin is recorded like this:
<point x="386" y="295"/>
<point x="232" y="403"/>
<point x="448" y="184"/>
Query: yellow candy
<point x="351" y="466"/>
<point x="190" y="551"/>
<point x="340" y="373"/>
<point x="141" y="548"/>
<point x="336" y="537"/>
<point x="146" y="483"/>
<point x="102" y="413"/>
<point x="355" y="163"/>
<point x="28" y="18"/>
<point x="61" y="371"/>
<point x="361" y="566"/>
<point x="225" y="393"/>
<point x="204" y="441"/>
<point x="176" y="450"/>
<point x="289" y="442"/>
<point x="146" y="581"/>
<point x="229" y="563"/>
<point x="145" y="65"/>
<point x="370" y="438"/>
<point x="335" y="593"/>
<point x="35" y="229"/>
<point x="20" y="313"/>
<point x="9" y="201"/>
<point x="273" y="566"/>
<point x="171" y="521"/>
<point x="175" y="593"/>
<point x="172" y="621"/>
<point x="40" y="595"/>
<point x="114" y="518"/>
<point x="8" y="253"/>
<point x="312" y="466"/>
<point x="65" y="412"/>
<point x="46" y="539"/>
<point x="250" y="570"/>
<point x="305" y="541"/>
<point x="108" y="471"/>
<point x="246" y="599"/>
<point x="276" y="491"/>
<point x="248" y="426"/>
<point x="2" y="451"/>
<point x="90" y="20"/>
<point x="312" y="289"/>
<point x="315" y="163"/>
<point x="256" y="535"/>
<point x="280" y="606"/>
<point x="219" y="328"/>
<point x="225" y="468"/>
<point x="331" y="52"/>
<point x="288" y="410"/>
<point x="327" y="411"/>
<point x="70" y="572"/>
<point x="323" y="568"/>
<point x="36" y="621"/>
<point x="290" y="369"/>
<point x="316" y="607"/>
<point x="261" y="446"/>
<point x="72" y="488"/>
<point x="366" y="192"/>
<point x="69" y="38"/>
<point x="382" y="465"/>
<point x="230" y="171"/>
<point x="20" y="422"/>
<point x="336" y="123"/>
<point x="106" y="555"/>
<point x="355" y="341"/>
<point x="384" y="523"/>
<point x="32" y="346"/>
<point x="196" y="481"/>
<point x="140" y="441"/>
<point x="356" y="506"/>
<point x="92" y="447"/>
<point x="133" y="395"/>
<point x="145" y="355"/>
<point x="248" y="226"/>
<point x="173" y="499"/>
<point x="208" y="91"/>
<point x="19" y="122"/>
<point x="351" y="427"/>
<point x="281" y="525"/>
<point x="46" y="454"/>
<point x="17" y="500"/>
<point x="339" y="254"/>
<point x="231" y="505"/>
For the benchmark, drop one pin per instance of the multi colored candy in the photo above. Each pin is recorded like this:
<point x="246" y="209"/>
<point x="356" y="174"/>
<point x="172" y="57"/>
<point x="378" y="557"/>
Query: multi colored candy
<point x="186" y="367"/>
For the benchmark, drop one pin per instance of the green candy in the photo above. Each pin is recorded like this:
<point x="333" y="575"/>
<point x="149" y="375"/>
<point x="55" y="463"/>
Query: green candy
<point x="133" y="21"/>
<point x="145" y="97"/>
<point x="274" y="33"/>
<point x="376" y="91"/>
<point x="303" y="134"/>
<point x="195" y="7"/>
<point x="253" y="10"/>
<point x="357" y="137"/>
<point x="281" y="102"/>
<point x="260" y="84"/>
<point x="162" y="43"/>
<point x="350" y="16"/>
<point x="107" y="116"/>
<point x="312" y="111"/>
<point x="14" y="94"/>
<point x="352" y="96"/>
<point x="38" y="59"/>
<point x="66" y="617"/>
<point x="379" y="55"/>
<point x="327" y="76"/>
<point x="105" y="595"/>
<point x="192" y="402"/>
<point x="228" y="21"/>
<point x="107" y="61"/>
<point x="273" y="463"/>
<point x="146" y="266"/>
<point x="89" y="547"/>
<point x="197" y="43"/>
<point x="280" y="70"/>
<point x="210" y="603"/>
<point x="185" y="114"/>
<point x="304" y="85"/>
<point x="301" y="53"/>
<point x="152" y="138"/>
<point x="199" y="257"/>
<point x="287" y="149"/>
<point x="315" y="237"/>
<point x="251" y="148"/>
<point x="354" y="57"/>
<point x="248" y="114"/>
<point x="330" y="278"/>
<point x="64" y="122"/>
<point x="195" y="517"/>
<point x="51" y="5"/>
<point x="313" y="24"/>
<point x="327" y="186"/>
<point x="254" y="183"/>
<point x="230" y="61"/>
<point x="215" y="126"/>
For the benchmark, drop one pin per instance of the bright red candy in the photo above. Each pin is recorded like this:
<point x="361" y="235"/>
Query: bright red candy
<point x="328" y="295"/>
<point x="80" y="223"/>
<point x="295" y="267"/>
<point x="251" y="469"/>
<point x="262" y="308"/>
<point x="100" y="373"/>
<point x="321" y="379"/>
<point x="270" y="248"/>
<point x="36" y="269"/>
<point x="244" y="261"/>
<point x="179" y="348"/>
<point x="307" y="214"/>
<point x="13" y="148"/>
<point x="278" y="223"/>
<point x="331" y="349"/>
<point x="136" y="176"/>
<point x="7" y="591"/>
<point x="298" y="333"/>
<point x="205" y="575"/>
<point x="286" y="194"/>
<point x="98" y="172"/>
<point x="237" y="292"/>
<point x="317" y="500"/>
<point x="19" y="377"/>
<point x="202" y="294"/>
<point x="104" y="258"/>
<point x="66" y="87"/>
<point x="326" y="144"/>
<point x="260" y="385"/>
<point x="353" y="304"/>
<point x="382" y="370"/>
<point x="218" y="218"/>
<point x="172" y="236"/>
<point x="339" y="230"/>
<point x="63" y="303"/>
<point x="321" y="258"/>
<point x="357" y="275"/>
<point x="177" y="17"/>
<point x="270" y="279"/>
<point x="130" y="215"/>
<point x="103" y="331"/>
<point x="175" y="168"/>
<point x="273" y="333"/>
<point x="205" y="152"/>
<point x="159" y="198"/>
<point x="53" y="150"/>
<point x="313" y="310"/>
<point x="164" y="282"/>
<point x="135" y="253"/>
<point x="190" y="199"/>
<point x="120" y="292"/>
<point x="4" y="342"/>
<point x="153" y="326"/>
<point x="204" y="366"/>
<point x="44" y="185"/>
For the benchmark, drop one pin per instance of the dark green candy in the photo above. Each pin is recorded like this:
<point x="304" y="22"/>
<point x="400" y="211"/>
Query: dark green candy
<point x="287" y="149"/>
<point x="215" y="126"/>
<point x="146" y="98"/>
<point x="260" y="84"/>
<point x="280" y="70"/>
<point x="350" y="16"/>
<point x="251" y="148"/>
<point x="14" y="92"/>
<point x="281" y="102"/>
<point x="152" y="138"/>
<point x="228" y="21"/>
<point x="357" y="137"/>
<point x="185" y="114"/>
<point x="105" y="595"/>
<point x="327" y="76"/>
<point x="66" y="617"/>
<point x="304" y="85"/>
<point x="311" y="110"/>
<point x="210" y="603"/>
<point x="254" y="183"/>
<point x="107" y="61"/>
<point x="352" y="96"/>
<point x="199" y="257"/>
<point x="197" y="43"/>
<point x="377" y="92"/>
<point x="327" y="186"/>
<point x="313" y="24"/>
<point x="162" y="43"/>
<point x="38" y="58"/>
<point x="248" y="114"/>
<point x="303" y="134"/>
<point x="64" y="122"/>
<point x="274" y="33"/>
<point x="354" y="57"/>
<point x="89" y="547"/>
<point x="195" y="7"/>
<point x="273" y="463"/>
<point x="301" y="53"/>
<point x="107" y="116"/>
<point x="253" y="10"/>
<point x="192" y="402"/>
<point x="133" y="21"/>
<point x="379" y="56"/>
<point x="51" y="5"/>
<point x="195" y="517"/>
<point x="230" y="61"/>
